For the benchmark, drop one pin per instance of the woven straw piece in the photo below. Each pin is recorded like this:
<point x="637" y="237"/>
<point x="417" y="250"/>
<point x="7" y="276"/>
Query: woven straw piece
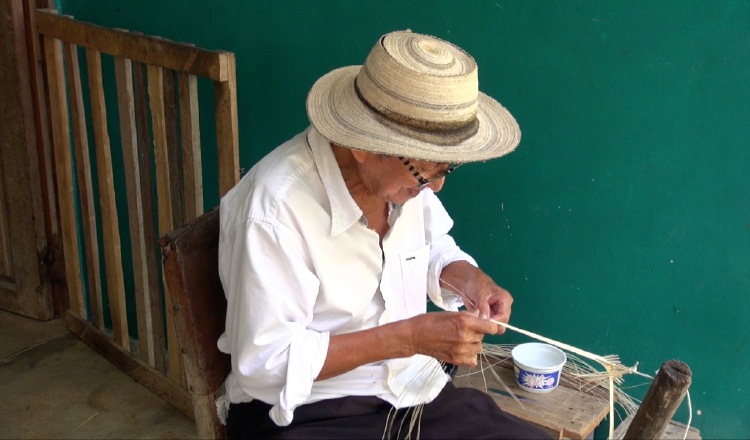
<point x="416" y="96"/>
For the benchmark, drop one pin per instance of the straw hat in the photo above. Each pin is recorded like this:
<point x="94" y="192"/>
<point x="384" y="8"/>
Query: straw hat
<point x="416" y="96"/>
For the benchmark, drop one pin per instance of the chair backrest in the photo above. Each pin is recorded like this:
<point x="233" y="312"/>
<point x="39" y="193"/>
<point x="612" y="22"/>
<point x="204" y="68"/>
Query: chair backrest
<point x="190" y="260"/>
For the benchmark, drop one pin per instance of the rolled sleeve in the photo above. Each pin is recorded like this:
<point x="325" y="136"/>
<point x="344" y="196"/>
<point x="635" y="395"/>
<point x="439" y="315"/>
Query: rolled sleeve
<point x="304" y="351"/>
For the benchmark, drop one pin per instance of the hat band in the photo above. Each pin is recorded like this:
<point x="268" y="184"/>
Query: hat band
<point x="437" y="133"/>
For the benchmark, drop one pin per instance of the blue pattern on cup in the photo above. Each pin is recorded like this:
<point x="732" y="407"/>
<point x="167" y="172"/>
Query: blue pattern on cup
<point x="538" y="381"/>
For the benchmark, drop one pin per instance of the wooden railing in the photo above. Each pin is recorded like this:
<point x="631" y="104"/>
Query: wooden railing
<point x="156" y="86"/>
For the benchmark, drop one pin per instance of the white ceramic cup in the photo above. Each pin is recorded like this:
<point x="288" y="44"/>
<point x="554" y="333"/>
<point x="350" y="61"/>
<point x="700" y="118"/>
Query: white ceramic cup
<point x="538" y="366"/>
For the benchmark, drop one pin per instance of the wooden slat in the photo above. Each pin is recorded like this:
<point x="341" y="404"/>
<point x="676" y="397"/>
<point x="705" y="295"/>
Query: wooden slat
<point x="161" y="152"/>
<point x="110" y="224"/>
<point x="139" y="48"/>
<point x="191" y="146"/>
<point x="85" y="186"/>
<point x="64" y="171"/>
<point x="164" y="201"/>
<point x="145" y="158"/>
<point x="129" y="135"/>
<point x="173" y="147"/>
<point x="227" y="131"/>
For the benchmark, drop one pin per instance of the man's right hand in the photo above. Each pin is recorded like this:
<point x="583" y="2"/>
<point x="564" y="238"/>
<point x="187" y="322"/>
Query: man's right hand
<point x="454" y="337"/>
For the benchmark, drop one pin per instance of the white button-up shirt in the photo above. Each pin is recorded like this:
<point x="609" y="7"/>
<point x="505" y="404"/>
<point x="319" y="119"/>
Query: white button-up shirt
<point x="298" y="264"/>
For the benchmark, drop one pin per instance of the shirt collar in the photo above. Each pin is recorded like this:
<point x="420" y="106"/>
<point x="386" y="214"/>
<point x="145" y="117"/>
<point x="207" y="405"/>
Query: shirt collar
<point x="344" y="210"/>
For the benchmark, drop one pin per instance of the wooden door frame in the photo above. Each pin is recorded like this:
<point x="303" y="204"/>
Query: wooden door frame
<point x="31" y="166"/>
<point x="53" y="258"/>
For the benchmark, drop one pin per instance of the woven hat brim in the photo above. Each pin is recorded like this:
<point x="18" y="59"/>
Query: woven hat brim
<point x="336" y="111"/>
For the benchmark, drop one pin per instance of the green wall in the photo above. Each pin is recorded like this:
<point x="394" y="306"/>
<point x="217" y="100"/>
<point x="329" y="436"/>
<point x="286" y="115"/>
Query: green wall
<point x="622" y="222"/>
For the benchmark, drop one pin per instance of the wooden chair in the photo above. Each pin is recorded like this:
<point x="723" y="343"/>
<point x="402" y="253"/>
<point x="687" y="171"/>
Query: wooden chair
<point x="190" y="261"/>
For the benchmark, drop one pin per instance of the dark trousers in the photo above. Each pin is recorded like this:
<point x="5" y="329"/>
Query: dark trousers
<point x="457" y="413"/>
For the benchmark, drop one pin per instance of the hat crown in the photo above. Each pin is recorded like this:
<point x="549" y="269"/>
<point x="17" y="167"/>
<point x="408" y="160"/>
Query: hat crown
<point x="420" y="81"/>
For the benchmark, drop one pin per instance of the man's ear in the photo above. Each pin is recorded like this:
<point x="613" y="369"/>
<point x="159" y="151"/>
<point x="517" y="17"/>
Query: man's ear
<point x="360" y="155"/>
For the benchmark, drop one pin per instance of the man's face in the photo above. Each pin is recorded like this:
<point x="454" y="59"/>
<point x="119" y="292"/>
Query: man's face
<point x="397" y="180"/>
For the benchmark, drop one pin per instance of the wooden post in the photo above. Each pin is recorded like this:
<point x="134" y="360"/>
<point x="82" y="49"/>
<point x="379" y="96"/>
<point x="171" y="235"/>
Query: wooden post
<point x="227" y="131"/>
<point x="661" y="401"/>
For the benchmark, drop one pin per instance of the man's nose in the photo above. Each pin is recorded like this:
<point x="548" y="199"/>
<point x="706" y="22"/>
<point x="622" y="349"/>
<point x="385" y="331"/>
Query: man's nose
<point x="437" y="184"/>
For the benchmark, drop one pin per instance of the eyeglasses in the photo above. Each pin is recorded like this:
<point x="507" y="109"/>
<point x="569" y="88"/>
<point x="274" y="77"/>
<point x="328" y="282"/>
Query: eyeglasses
<point x="422" y="181"/>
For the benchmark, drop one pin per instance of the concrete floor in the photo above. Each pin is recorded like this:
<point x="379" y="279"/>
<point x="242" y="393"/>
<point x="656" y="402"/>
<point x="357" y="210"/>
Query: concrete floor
<point x="53" y="385"/>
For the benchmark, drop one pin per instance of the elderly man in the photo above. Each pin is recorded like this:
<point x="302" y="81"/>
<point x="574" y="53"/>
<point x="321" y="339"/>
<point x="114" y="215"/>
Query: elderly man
<point x="332" y="243"/>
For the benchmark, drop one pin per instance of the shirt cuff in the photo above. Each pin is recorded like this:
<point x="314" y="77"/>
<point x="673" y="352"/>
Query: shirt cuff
<point x="307" y="354"/>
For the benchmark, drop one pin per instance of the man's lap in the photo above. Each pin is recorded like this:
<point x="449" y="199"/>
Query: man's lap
<point x="455" y="413"/>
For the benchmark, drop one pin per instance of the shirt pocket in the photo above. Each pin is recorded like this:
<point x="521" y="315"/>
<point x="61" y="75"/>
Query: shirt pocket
<point x="414" y="265"/>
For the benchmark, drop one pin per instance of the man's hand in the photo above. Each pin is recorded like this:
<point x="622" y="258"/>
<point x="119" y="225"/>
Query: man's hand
<point x="450" y="336"/>
<point x="446" y="336"/>
<point x="479" y="291"/>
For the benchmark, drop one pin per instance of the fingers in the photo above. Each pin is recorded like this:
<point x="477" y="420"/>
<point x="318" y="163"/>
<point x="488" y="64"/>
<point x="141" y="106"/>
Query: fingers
<point x="484" y="310"/>
<point x="466" y="351"/>
<point x="469" y="359"/>
<point x="497" y="301"/>
<point x="479" y="326"/>
<point x="452" y="337"/>
<point x="488" y="297"/>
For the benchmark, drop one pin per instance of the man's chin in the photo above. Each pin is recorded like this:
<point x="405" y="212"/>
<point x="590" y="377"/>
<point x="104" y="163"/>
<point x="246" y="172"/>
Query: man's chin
<point x="404" y="196"/>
